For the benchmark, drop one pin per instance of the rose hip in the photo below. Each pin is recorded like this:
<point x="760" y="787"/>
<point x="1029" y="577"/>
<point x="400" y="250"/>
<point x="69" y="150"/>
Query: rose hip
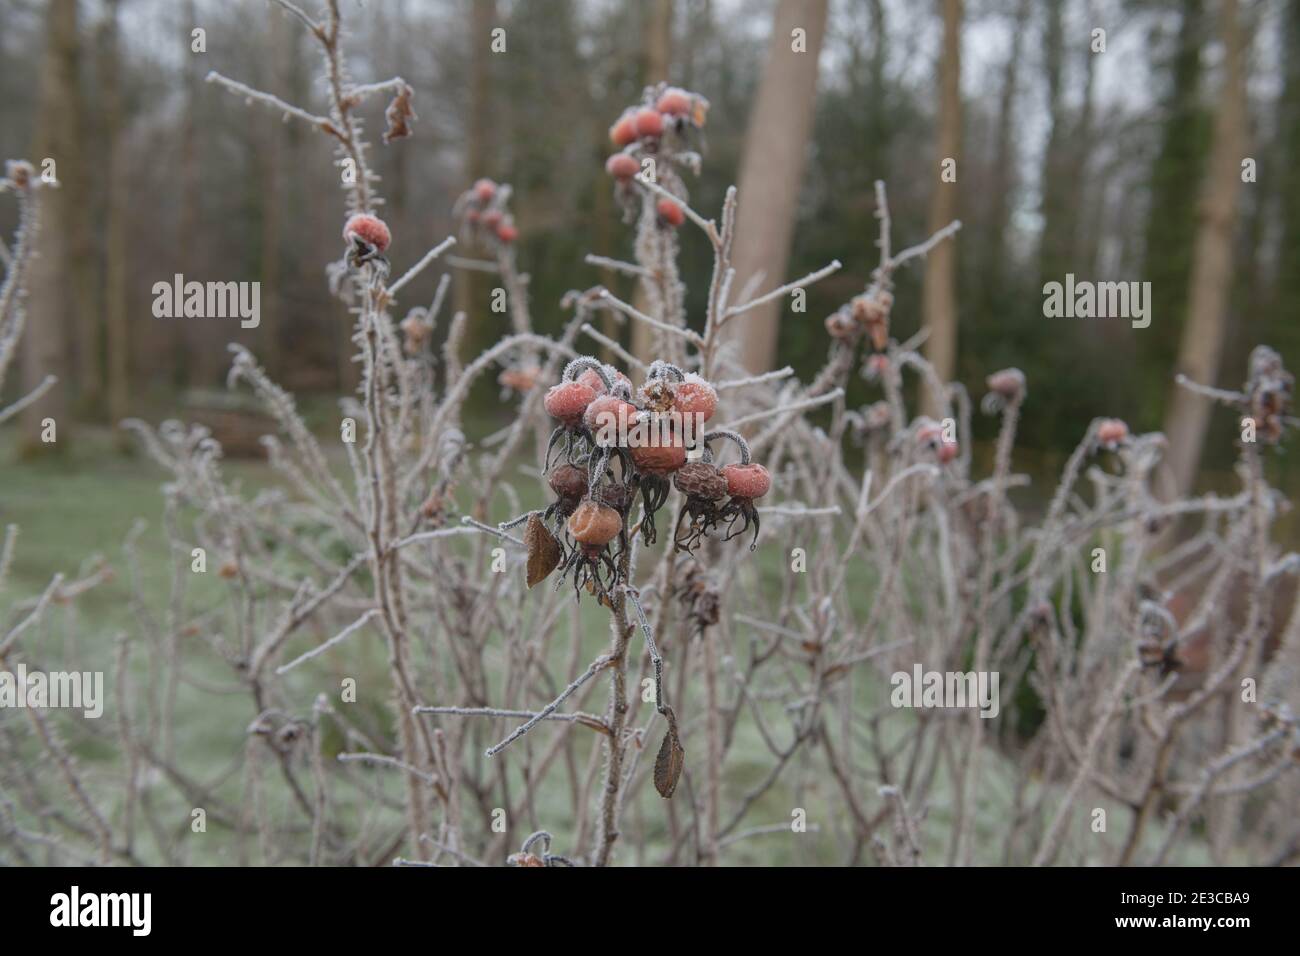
<point x="567" y="401"/>
<point x="670" y="213"/>
<point x="594" y="525"/>
<point x="674" y="102"/>
<point x="622" y="166"/>
<point x="747" y="481"/>
<point x="647" y="122"/>
<point x="369" y="229"/>
<point x="695" y="396"/>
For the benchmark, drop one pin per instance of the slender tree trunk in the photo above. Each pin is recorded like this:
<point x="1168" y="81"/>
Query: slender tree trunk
<point x="82" y="269"/>
<point x="939" y="286"/>
<point x="1171" y="215"/>
<point x="771" y="172"/>
<point x="117" y="333"/>
<point x="658" y="67"/>
<point x="1211" y="280"/>
<point x="268" y="331"/>
<point x="467" y="292"/>
<point x="185" y="336"/>
<point x="45" y="346"/>
<point x="998" y="215"/>
<point x="1288" y="119"/>
<point x="1052" y="257"/>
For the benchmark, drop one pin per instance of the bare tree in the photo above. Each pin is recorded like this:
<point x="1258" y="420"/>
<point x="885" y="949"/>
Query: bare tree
<point x="117" y="329"/>
<point x="771" y="171"/>
<point x="658" y="65"/>
<point x="46" y="347"/>
<point x="938" y="290"/>
<point x="1211" y="281"/>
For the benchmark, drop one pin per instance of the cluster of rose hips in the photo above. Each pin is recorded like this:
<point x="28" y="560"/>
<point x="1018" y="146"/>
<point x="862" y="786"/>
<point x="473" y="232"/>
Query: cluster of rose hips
<point x="482" y="209"/>
<point x="1268" y="393"/>
<point x="653" y="130"/>
<point x="865" y="315"/>
<point x="615" y="445"/>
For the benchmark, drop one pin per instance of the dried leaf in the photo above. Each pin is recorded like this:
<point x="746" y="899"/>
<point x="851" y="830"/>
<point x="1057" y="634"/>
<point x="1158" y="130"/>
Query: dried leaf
<point x="398" y="113"/>
<point x="671" y="759"/>
<point x="543" y="550"/>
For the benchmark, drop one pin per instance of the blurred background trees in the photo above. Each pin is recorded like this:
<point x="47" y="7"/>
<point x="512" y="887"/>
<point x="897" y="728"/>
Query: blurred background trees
<point x="1115" y="165"/>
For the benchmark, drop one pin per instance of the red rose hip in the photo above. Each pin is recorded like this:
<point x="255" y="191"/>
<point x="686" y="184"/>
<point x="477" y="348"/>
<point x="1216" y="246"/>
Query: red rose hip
<point x="623" y="132"/>
<point x="369" y="229"/>
<point x="674" y="102"/>
<point x="567" y="401"/>
<point x="670" y="213"/>
<point x="609" y="419"/>
<point x="747" y="481"/>
<point x="591" y="379"/>
<point x="622" y="166"/>
<point x="695" y="397"/>
<point x="647" y="122"/>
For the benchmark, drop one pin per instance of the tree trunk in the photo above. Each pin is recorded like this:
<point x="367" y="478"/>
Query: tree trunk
<point x="658" y="66"/>
<point x="771" y="172"/>
<point x="268" y="332"/>
<point x="998" y="212"/>
<point x="1171" y="223"/>
<point x="938" y="289"/>
<point x="183" y="337"/>
<point x="45" y="348"/>
<point x="1211" y="278"/>
<point x="468" y="286"/>
<point x="116" y="331"/>
<point x="81" y="272"/>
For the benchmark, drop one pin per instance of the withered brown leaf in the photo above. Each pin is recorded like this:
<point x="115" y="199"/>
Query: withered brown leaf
<point x="398" y="114"/>
<point x="671" y="759"/>
<point x="543" y="550"/>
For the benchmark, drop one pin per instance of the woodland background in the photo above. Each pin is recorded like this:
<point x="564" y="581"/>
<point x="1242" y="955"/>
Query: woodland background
<point x="1068" y="161"/>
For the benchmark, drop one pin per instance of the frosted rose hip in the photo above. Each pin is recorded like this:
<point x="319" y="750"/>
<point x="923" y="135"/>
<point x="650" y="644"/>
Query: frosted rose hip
<point x="1111" y="432"/>
<point x="670" y="212"/>
<point x="648" y="123"/>
<point x="593" y="381"/>
<point x="747" y="481"/>
<point x="369" y="229"/>
<point x="695" y="397"/>
<point x="1008" y="383"/>
<point x="484" y="190"/>
<point x="701" y="480"/>
<point x="659" y="460"/>
<point x="567" y="401"/>
<point x="674" y="102"/>
<point x="569" y="481"/>
<point x="622" y="166"/>
<point x="623" y="131"/>
<point x="507" y="232"/>
<point x="608" y="418"/>
<point x="594" y="524"/>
